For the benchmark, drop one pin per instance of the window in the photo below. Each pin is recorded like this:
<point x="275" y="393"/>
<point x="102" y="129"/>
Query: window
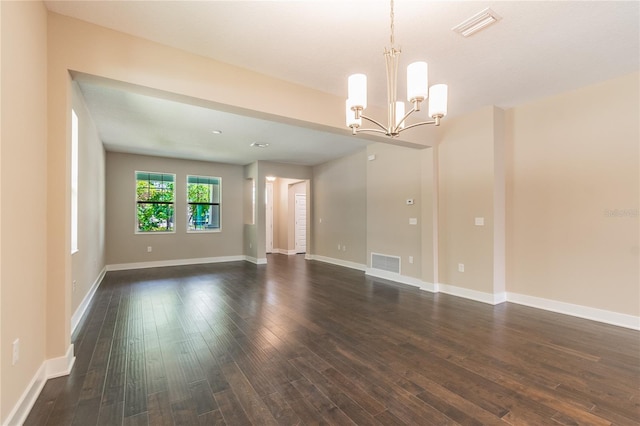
<point x="74" y="181"/>
<point x="203" y="203"/>
<point x="155" y="196"/>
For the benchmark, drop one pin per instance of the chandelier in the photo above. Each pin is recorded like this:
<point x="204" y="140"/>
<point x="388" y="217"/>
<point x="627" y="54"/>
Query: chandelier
<point x="417" y="91"/>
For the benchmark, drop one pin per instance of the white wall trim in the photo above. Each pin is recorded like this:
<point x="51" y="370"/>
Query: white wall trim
<point x="339" y="262"/>
<point x="82" y="307"/>
<point x="283" y="251"/>
<point x="403" y="279"/>
<point x="177" y="262"/>
<point x="49" y="369"/>
<point x="257" y="261"/>
<point x="595" y="314"/>
<point x="61" y="366"/>
<point x="21" y="410"/>
<point x="499" y="298"/>
<point x="478" y="296"/>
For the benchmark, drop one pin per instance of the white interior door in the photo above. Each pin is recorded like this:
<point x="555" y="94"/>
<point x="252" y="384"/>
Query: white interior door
<point x="269" y="216"/>
<point x="301" y="223"/>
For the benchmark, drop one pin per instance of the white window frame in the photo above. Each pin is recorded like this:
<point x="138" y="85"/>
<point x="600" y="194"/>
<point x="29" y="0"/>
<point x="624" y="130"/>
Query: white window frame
<point x="135" y="195"/>
<point x="219" y="203"/>
<point x="75" y="136"/>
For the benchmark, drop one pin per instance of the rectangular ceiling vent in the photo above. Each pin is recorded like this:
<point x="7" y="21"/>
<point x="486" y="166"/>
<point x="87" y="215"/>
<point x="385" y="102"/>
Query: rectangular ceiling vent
<point x="385" y="263"/>
<point x="477" y="22"/>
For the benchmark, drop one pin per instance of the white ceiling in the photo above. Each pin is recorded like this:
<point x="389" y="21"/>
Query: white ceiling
<point x="129" y="121"/>
<point x="537" y="49"/>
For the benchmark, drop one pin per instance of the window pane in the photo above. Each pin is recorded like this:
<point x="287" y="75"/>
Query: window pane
<point x="155" y="195"/>
<point x="155" y="217"/>
<point x="203" y="203"/>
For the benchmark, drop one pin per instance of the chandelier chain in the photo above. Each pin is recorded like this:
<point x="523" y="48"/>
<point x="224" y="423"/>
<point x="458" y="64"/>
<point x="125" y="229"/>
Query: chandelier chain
<point x="392" y="25"/>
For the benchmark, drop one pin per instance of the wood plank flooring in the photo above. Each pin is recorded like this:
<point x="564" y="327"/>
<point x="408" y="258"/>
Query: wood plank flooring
<point x="302" y="342"/>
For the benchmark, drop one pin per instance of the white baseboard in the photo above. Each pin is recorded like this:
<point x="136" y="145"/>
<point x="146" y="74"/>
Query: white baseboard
<point x="283" y="251"/>
<point x="49" y="369"/>
<point x="177" y="262"/>
<point x="61" y="366"/>
<point x="339" y="262"/>
<point x="600" y="315"/>
<point x="478" y="296"/>
<point x="403" y="279"/>
<point x="257" y="261"/>
<point x="77" y="315"/>
<point x="586" y="312"/>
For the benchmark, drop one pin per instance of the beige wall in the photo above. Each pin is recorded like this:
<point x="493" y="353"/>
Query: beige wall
<point x="125" y="246"/>
<point x="88" y="262"/>
<point x="250" y="233"/>
<point x="392" y="178"/>
<point x="340" y="208"/>
<point x="429" y="214"/>
<point x="466" y="184"/>
<point x="574" y="164"/>
<point x="23" y="166"/>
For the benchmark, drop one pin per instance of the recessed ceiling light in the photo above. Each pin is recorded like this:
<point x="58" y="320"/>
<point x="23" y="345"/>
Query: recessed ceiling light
<point x="477" y="22"/>
<point x="216" y="132"/>
<point x="259" y="145"/>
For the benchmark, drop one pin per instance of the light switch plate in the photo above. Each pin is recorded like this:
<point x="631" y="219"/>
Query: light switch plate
<point x="479" y="221"/>
<point x="413" y="221"/>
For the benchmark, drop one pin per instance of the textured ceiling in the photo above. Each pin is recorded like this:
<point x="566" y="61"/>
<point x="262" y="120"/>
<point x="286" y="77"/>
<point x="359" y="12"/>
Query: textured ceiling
<point x="536" y="50"/>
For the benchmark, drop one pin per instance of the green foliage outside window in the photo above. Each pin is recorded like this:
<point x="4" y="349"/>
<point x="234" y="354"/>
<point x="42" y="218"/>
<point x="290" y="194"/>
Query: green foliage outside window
<point x="203" y="199"/>
<point x="155" y="197"/>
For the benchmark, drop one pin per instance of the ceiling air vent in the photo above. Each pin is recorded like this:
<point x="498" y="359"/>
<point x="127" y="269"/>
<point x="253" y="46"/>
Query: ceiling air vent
<point x="477" y="22"/>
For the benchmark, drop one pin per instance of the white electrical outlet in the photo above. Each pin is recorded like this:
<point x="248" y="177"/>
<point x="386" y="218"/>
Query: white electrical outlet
<point x="339" y="247"/>
<point x="410" y="259"/>
<point x="250" y="245"/>
<point x="73" y="285"/>
<point x="149" y="249"/>
<point x="16" y="351"/>
<point x="460" y="267"/>
<point x="413" y="221"/>
<point x="479" y="221"/>
<point x="344" y="248"/>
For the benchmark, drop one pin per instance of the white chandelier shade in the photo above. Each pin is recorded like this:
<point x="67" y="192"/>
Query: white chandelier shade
<point x="358" y="90"/>
<point x="438" y="100"/>
<point x="417" y="81"/>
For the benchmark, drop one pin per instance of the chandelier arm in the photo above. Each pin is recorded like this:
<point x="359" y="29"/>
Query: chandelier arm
<point x="407" y="116"/>
<point x="384" y="132"/>
<point x="377" y="123"/>
<point x="422" y="123"/>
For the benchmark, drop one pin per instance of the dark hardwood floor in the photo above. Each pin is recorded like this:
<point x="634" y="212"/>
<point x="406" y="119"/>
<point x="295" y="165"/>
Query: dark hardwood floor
<point x="303" y="342"/>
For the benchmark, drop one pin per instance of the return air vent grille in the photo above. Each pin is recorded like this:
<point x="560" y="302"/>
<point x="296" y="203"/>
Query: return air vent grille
<point x="476" y="23"/>
<point x="385" y="263"/>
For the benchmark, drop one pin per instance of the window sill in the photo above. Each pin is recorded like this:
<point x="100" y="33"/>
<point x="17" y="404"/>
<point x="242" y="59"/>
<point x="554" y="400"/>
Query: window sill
<point x="206" y="231"/>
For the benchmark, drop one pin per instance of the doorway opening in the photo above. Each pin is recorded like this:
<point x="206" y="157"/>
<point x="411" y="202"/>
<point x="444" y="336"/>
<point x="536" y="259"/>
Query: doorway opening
<point x="286" y="216"/>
